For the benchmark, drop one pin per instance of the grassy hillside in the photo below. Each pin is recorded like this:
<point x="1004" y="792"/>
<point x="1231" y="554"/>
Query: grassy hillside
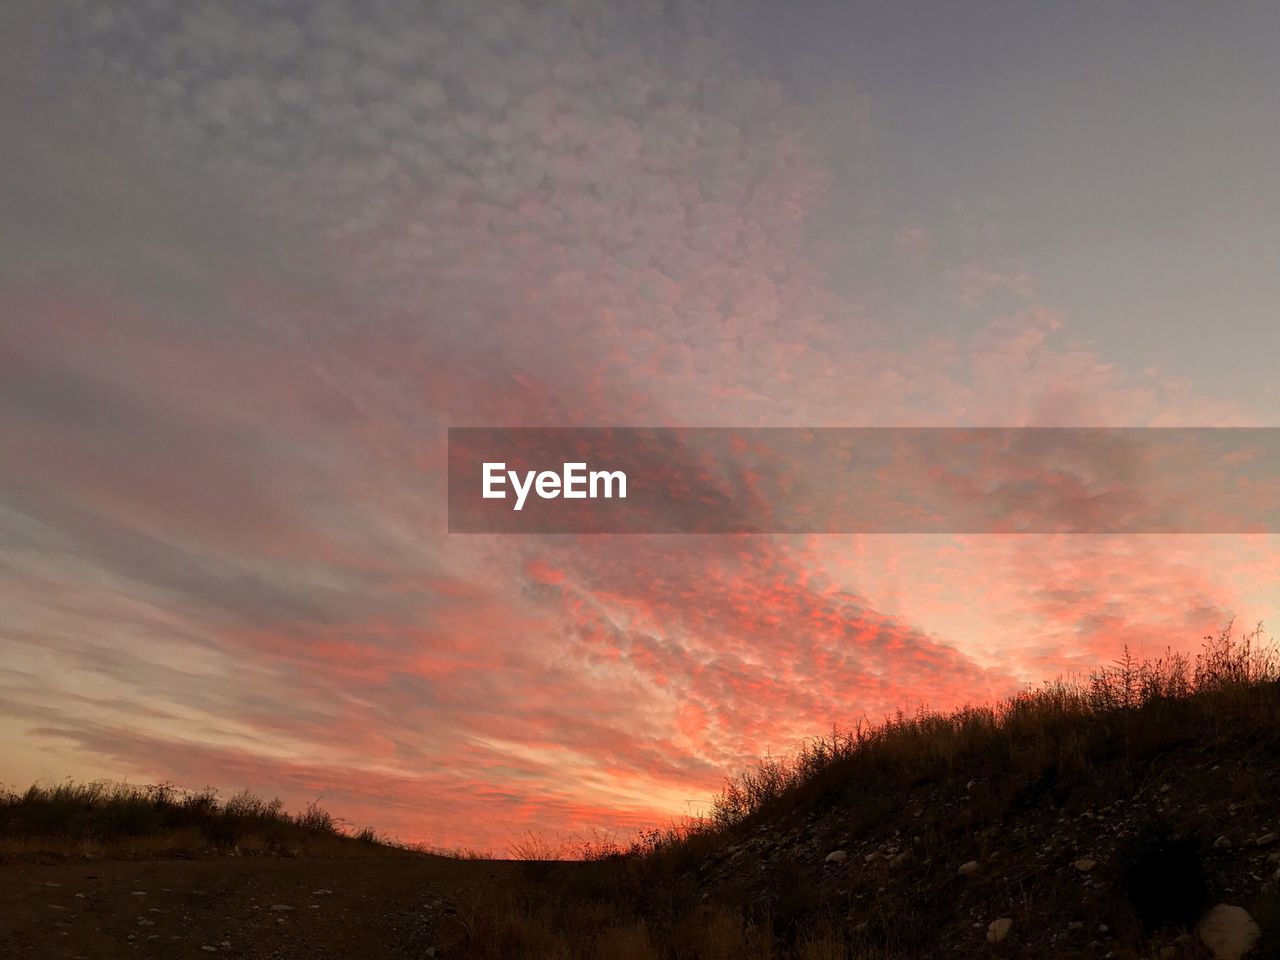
<point x="1098" y="818"/>
<point x="120" y="820"/>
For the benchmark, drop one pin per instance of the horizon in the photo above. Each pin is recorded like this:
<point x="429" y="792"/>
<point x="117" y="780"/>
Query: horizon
<point x="261" y="257"/>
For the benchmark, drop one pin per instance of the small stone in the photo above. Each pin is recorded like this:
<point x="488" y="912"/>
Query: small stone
<point x="1084" y="864"/>
<point x="1228" y="932"/>
<point x="208" y="949"/>
<point x="998" y="929"/>
<point x="1222" y="843"/>
<point x="281" y="906"/>
<point x="1265" y="840"/>
<point x="225" y="944"/>
<point x="1165" y="788"/>
<point x="1075" y="925"/>
<point x="836" y="856"/>
<point x="967" y="868"/>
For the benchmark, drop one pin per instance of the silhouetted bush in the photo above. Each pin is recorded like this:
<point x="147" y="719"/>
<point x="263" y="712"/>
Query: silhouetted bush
<point x="105" y="812"/>
<point x="1060" y="723"/>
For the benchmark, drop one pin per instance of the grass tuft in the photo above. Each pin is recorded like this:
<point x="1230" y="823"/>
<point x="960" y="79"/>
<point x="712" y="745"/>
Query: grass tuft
<point x="105" y="819"/>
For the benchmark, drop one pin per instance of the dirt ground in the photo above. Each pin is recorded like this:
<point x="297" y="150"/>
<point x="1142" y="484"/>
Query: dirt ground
<point x="306" y="908"/>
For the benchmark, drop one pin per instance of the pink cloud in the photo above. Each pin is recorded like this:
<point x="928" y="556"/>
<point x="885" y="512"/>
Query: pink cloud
<point x="226" y="553"/>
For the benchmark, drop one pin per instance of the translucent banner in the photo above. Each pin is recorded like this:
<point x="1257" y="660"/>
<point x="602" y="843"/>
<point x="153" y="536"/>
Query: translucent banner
<point x="864" y="480"/>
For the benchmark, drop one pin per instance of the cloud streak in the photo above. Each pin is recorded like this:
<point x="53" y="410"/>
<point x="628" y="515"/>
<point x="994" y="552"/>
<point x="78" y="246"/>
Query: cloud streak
<point x="267" y="258"/>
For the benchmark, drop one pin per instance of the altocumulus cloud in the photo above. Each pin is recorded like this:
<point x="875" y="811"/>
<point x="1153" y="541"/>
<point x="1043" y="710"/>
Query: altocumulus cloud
<point x="269" y="252"/>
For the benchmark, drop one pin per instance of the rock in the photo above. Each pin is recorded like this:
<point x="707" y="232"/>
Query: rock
<point x="281" y="906"/>
<point x="998" y="929"/>
<point x="1075" y="925"/>
<point x="968" y="868"/>
<point x="871" y="857"/>
<point x="836" y="856"/>
<point x="1228" y="932"/>
<point x="1265" y="840"/>
<point x="1084" y="864"/>
<point x="208" y="949"/>
<point x="1222" y="843"/>
<point x="900" y="859"/>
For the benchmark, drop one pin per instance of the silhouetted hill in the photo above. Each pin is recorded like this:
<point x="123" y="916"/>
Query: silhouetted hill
<point x="103" y="820"/>
<point x="1132" y="815"/>
<point x="1100" y="818"/>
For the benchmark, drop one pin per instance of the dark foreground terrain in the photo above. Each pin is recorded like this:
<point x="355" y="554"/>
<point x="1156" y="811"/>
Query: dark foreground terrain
<point x="262" y="907"/>
<point x="1134" y="815"/>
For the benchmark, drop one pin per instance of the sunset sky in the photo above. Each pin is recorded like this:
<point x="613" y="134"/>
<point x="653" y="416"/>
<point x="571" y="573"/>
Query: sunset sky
<point x="257" y="257"/>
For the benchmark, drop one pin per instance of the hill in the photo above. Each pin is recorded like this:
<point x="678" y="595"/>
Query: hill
<point x="1099" y="818"/>
<point x="1130" y="815"/>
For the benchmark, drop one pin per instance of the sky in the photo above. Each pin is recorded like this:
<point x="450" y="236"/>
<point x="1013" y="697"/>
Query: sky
<point x="256" y="258"/>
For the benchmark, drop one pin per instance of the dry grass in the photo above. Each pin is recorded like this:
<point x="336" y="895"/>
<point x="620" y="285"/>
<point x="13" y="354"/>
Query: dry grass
<point x="104" y="820"/>
<point x="1042" y="746"/>
<point x="1044" y="753"/>
<point x="1140" y="705"/>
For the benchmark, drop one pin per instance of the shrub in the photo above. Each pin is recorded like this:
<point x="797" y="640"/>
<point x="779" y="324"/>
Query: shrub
<point x="104" y="812"/>
<point x="316" y="818"/>
<point x="1048" y="735"/>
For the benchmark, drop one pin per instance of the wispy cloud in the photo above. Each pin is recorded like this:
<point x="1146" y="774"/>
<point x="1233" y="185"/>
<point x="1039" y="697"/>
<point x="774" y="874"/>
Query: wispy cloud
<point x="266" y="258"/>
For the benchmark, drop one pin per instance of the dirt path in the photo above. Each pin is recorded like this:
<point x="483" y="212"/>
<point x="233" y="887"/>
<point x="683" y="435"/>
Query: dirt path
<point x="310" y="909"/>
